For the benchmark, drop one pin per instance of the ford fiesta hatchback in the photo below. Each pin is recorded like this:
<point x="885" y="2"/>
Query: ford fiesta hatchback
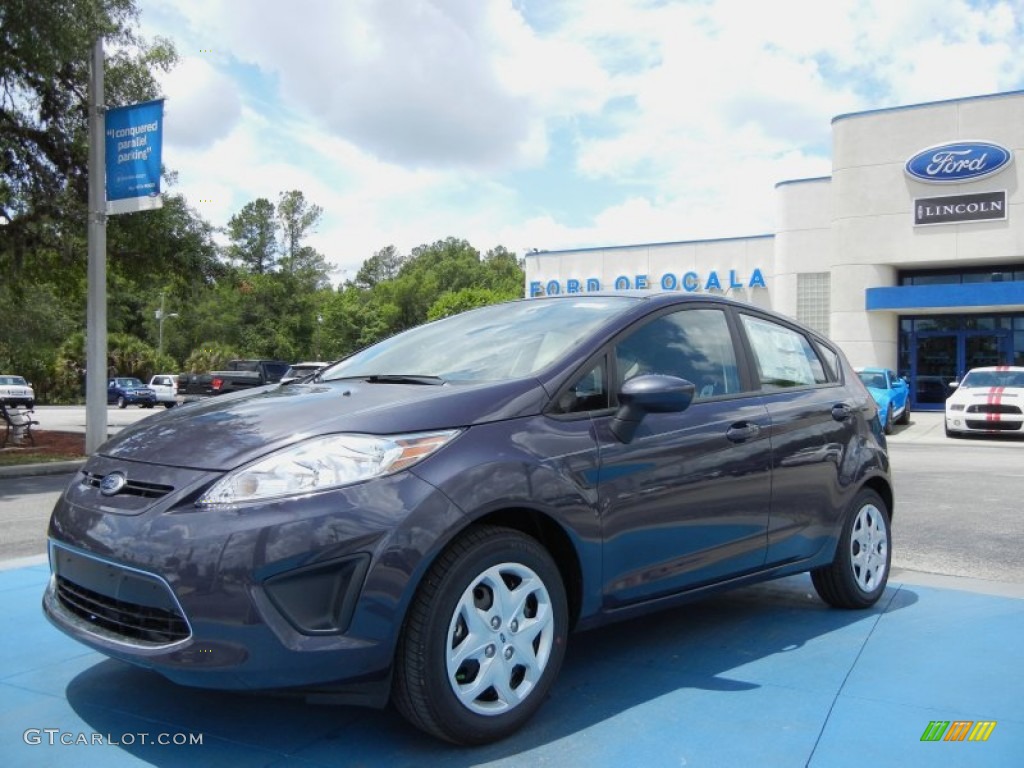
<point x="427" y="521"/>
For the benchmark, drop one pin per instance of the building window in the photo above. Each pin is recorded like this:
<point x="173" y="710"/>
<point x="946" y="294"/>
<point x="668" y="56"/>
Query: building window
<point x="996" y="274"/>
<point x="813" y="300"/>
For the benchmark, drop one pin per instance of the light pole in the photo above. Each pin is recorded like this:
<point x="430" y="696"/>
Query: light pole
<point x="161" y="316"/>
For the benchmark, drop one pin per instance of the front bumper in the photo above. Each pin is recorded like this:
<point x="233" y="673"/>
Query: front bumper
<point x="985" y="418"/>
<point x="304" y="593"/>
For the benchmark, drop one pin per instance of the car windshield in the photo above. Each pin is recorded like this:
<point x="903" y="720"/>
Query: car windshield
<point x="871" y="379"/>
<point x="15" y="380"/>
<point x="977" y="379"/>
<point x="128" y="382"/>
<point x="493" y="343"/>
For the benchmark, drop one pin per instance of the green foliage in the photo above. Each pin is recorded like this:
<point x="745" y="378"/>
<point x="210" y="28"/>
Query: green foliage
<point x="210" y="356"/>
<point x="44" y="75"/>
<point x="454" y="302"/>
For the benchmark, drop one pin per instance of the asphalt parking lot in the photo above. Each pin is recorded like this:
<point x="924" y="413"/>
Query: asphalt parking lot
<point x="764" y="676"/>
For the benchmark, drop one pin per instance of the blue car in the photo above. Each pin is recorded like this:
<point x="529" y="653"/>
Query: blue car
<point x="128" y="390"/>
<point x="890" y="392"/>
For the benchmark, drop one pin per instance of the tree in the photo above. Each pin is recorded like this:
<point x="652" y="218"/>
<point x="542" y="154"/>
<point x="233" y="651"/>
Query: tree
<point x="44" y="72"/>
<point x="383" y="265"/>
<point x="296" y="218"/>
<point x="253" y="233"/>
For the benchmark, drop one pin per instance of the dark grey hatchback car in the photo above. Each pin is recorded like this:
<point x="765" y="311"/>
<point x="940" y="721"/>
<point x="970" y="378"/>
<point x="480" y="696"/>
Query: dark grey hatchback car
<point x="426" y="521"/>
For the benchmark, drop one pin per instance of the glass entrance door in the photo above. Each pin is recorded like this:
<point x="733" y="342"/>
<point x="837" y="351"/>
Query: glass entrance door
<point x="940" y="357"/>
<point x="934" y="362"/>
<point x="984" y="348"/>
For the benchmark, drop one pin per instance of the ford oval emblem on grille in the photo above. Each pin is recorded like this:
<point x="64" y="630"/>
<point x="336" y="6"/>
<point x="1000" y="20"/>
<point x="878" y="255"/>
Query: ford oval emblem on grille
<point x="113" y="483"/>
<point x="958" y="161"/>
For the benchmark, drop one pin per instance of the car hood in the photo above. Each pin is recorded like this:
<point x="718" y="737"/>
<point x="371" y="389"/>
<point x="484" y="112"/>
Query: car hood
<point x="225" y="431"/>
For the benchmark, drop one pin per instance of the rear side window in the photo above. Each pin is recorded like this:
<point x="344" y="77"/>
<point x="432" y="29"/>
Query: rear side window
<point x="784" y="357"/>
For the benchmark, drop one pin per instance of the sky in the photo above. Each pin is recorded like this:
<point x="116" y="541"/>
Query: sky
<point x="547" y="124"/>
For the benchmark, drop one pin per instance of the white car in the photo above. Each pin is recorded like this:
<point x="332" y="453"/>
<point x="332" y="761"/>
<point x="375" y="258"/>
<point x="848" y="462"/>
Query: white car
<point x="166" y="387"/>
<point x="14" y="390"/>
<point x="987" y="401"/>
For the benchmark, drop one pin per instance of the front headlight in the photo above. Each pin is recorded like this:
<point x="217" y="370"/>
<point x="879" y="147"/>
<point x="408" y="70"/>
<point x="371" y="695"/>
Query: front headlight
<point x="321" y="463"/>
<point x="957" y="407"/>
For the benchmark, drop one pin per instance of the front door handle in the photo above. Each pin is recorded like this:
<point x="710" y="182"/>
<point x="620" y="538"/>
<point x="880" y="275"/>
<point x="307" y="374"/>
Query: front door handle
<point x="740" y="433"/>
<point x="841" y="411"/>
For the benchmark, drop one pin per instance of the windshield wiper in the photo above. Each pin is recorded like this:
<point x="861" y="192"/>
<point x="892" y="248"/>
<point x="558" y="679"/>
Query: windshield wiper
<point x="402" y="378"/>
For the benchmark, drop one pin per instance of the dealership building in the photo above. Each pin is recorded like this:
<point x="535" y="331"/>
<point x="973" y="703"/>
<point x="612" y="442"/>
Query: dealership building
<point x="910" y="255"/>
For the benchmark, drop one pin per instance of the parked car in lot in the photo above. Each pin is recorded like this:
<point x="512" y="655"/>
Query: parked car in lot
<point x="428" y="520"/>
<point x="165" y="385"/>
<point x="989" y="401"/>
<point x="14" y="390"/>
<point x="302" y="370"/>
<point x="128" y="390"/>
<point x="890" y="392"/>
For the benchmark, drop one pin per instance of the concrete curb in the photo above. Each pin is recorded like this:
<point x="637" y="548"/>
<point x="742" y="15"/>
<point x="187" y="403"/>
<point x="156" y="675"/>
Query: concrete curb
<point x="45" y="468"/>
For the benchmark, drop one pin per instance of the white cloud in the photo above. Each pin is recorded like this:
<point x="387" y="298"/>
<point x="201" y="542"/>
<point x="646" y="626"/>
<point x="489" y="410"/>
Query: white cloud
<point x="202" y="104"/>
<point x="414" y="120"/>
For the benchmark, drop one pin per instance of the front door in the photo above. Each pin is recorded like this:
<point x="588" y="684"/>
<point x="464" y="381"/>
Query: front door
<point x="941" y="357"/>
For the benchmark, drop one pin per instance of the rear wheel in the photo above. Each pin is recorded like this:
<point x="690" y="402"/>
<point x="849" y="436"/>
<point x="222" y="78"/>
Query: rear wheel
<point x="857" y="576"/>
<point x="904" y="416"/>
<point x="484" y="638"/>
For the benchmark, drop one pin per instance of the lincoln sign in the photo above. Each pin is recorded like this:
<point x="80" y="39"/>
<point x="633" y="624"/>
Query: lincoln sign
<point x="983" y="206"/>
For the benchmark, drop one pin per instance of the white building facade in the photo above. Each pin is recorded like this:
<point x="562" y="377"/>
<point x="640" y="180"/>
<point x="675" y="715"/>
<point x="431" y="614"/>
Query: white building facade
<point x="910" y="255"/>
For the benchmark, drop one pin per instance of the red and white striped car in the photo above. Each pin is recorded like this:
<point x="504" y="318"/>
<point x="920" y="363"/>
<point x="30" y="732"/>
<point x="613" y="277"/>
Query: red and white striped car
<point x="987" y="401"/>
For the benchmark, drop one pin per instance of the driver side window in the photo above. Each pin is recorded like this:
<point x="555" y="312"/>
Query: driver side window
<point x="691" y="344"/>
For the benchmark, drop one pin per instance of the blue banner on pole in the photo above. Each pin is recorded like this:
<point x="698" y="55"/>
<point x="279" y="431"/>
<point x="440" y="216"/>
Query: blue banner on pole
<point x="134" y="138"/>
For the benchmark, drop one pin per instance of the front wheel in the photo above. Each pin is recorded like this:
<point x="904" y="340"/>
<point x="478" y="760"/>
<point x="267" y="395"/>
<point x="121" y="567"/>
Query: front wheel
<point x="122" y="403"/>
<point x="484" y="638"/>
<point x="857" y="576"/>
<point x="888" y="420"/>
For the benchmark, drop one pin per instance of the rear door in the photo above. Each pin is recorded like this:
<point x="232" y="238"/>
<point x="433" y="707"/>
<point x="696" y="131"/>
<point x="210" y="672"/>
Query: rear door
<point x="814" y="427"/>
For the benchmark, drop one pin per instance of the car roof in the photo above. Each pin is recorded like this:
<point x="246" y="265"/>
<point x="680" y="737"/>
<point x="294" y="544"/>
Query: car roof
<point x="999" y="368"/>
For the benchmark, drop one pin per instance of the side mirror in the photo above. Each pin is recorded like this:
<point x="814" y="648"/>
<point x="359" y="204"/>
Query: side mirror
<point x="653" y="393"/>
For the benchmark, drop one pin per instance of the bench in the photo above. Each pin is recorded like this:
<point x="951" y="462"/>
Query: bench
<point x="17" y="425"/>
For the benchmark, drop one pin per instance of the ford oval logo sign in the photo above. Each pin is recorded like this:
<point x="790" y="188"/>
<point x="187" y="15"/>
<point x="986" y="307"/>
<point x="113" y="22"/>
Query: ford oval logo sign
<point x="958" y="161"/>
<point x="113" y="483"/>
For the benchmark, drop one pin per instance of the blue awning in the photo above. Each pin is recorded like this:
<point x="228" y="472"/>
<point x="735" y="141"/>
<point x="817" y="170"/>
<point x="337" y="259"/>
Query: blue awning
<point x="966" y="297"/>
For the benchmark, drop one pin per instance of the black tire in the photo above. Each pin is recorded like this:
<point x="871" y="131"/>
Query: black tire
<point x="858" y="575"/>
<point x="888" y="420"/>
<point x="121" y="402"/>
<point x="147" y="405"/>
<point x="433" y="687"/>
<point x="905" y="416"/>
<point x="169" y="405"/>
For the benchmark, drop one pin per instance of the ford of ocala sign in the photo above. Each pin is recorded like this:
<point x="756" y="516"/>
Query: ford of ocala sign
<point x="958" y="161"/>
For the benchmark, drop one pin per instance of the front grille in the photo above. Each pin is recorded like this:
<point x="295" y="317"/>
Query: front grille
<point x="116" y="602"/>
<point x="993" y="426"/>
<point x="134" y="622"/>
<point x="994" y="408"/>
<point x="133" y="487"/>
